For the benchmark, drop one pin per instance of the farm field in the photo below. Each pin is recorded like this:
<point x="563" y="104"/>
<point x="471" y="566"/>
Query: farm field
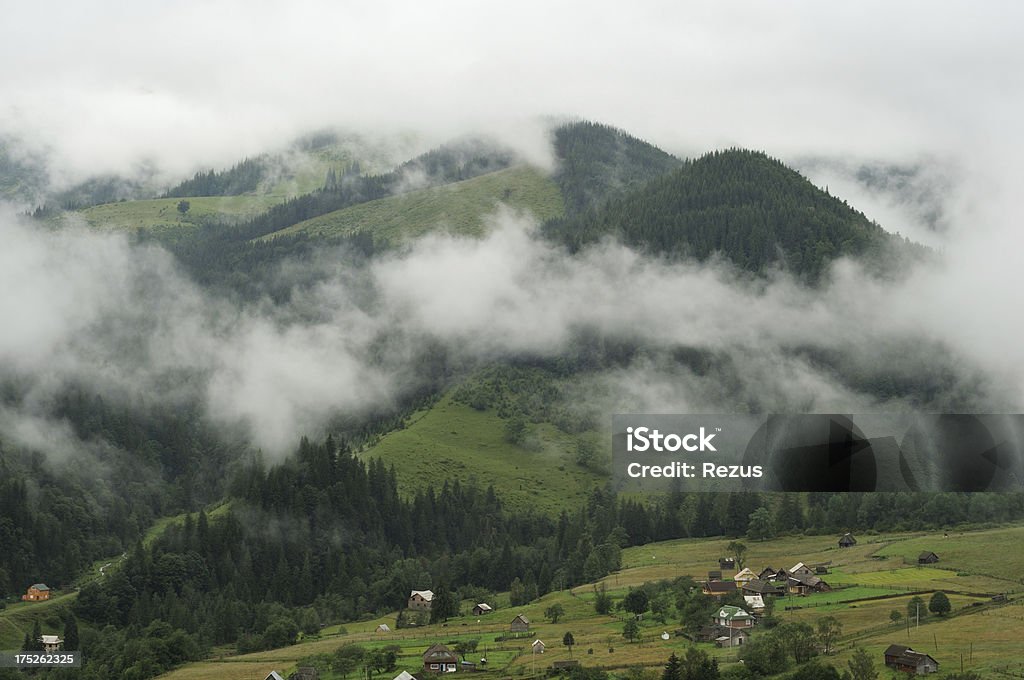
<point x="975" y="625"/>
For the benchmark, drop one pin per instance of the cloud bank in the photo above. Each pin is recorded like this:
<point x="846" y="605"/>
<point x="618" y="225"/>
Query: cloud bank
<point x="90" y="308"/>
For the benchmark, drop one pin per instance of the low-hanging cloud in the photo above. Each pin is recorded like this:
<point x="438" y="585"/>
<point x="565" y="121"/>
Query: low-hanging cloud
<point x="92" y="308"/>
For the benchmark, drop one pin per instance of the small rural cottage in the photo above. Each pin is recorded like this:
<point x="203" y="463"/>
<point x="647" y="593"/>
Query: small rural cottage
<point x="538" y="647"/>
<point x="726" y="563"/>
<point x="927" y="558"/>
<point x="755" y="603"/>
<point x="440" y="659"/>
<point x="273" y="675"/>
<point x="906" y="660"/>
<point x="847" y="541"/>
<point x="745" y="575"/>
<point x="37" y="593"/>
<point x="735" y="637"/>
<point x="421" y="599"/>
<point x="51" y="643"/>
<point x="404" y="675"/>
<point x="482" y="608"/>
<point x="714" y="575"/>
<point x="717" y="588"/>
<point x="759" y="587"/>
<point x="802" y="585"/>
<point x="520" y="624"/>
<point x="800" y="569"/>
<point x="383" y="628"/>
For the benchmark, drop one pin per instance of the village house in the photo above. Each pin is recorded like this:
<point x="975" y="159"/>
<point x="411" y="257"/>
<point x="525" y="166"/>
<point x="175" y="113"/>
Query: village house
<point x="51" y="643"/>
<point x="383" y="628"/>
<point x="273" y="675"/>
<point x="404" y="675"/>
<point x="755" y="603"/>
<point x="421" y="600"/>
<point x="847" y="541"/>
<point x="759" y="587"/>
<point x="733" y="617"/>
<point x="736" y="637"/>
<point x="440" y="659"/>
<point x="714" y="575"/>
<point x="800" y="569"/>
<point x="520" y="624"/>
<point x="538" y="647"/>
<point x="482" y="608"/>
<point x="36" y="593"/>
<point x="726" y="563"/>
<point x="906" y="660"/>
<point x="767" y="574"/>
<point x="717" y="588"/>
<point x="745" y="575"/>
<point x="803" y="585"/>
<point x="722" y="636"/>
<point x="927" y="558"/>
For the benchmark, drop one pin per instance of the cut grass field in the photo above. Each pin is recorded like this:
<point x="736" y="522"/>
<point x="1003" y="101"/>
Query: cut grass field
<point x="992" y="633"/>
<point x="454" y="441"/>
<point x="160" y="216"/>
<point x="458" y="208"/>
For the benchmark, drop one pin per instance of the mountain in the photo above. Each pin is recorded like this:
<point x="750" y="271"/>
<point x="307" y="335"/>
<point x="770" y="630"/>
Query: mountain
<point x="597" y="162"/>
<point x="484" y="477"/>
<point x="741" y="204"/>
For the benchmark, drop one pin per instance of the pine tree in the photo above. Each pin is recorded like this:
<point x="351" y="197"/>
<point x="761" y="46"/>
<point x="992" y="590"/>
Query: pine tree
<point x="673" y="669"/>
<point x="71" y="642"/>
<point x="445" y="604"/>
<point x="37" y="637"/>
<point x="568" y="641"/>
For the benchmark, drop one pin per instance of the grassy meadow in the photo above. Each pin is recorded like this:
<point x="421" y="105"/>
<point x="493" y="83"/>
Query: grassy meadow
<point x="987" y="634"/>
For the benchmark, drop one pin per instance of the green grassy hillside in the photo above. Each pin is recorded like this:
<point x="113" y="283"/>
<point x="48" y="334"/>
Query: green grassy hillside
<point x="458" y="208"/>
<point x="160" y="216"/>
<point x="989" y="631"/>
<point x="18" y="618"/>
<point x="458" y="442"/>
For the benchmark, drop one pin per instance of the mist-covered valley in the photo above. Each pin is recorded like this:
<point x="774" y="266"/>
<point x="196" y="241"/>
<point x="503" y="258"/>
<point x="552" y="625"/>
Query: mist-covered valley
<point x="277" y="350"/>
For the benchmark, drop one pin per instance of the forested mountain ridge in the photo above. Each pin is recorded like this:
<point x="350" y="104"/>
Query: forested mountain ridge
<point x="739" y="203"/>
<point x="597" y="162"/>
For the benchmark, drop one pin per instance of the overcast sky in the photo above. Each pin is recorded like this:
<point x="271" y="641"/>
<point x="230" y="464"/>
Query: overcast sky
<point x="106" y="84"/>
